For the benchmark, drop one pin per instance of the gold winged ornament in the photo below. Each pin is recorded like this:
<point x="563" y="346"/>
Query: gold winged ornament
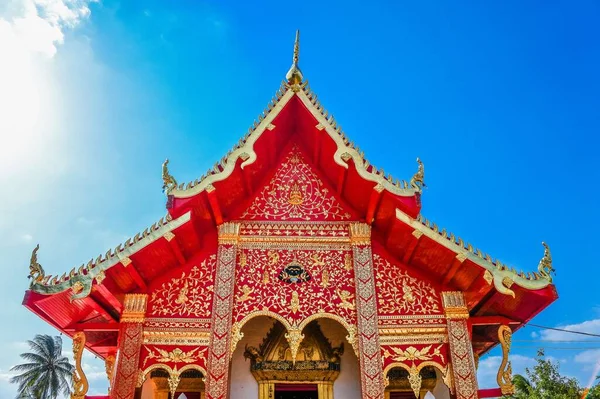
<point x="545" y="266"/>
<point x="169" y="182"/>
<point x="36" y="271"/>
<point x="417" y="182"/>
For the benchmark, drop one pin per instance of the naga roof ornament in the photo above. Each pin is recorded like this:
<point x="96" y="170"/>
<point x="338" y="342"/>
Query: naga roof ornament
<point x="418" y="180"/>
<point x="36" y="271"/>
<point x="169" y="182"/>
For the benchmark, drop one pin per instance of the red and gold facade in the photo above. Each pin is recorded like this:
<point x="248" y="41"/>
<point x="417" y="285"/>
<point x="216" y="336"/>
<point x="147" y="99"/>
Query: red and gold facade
<point x="296" y="226"/>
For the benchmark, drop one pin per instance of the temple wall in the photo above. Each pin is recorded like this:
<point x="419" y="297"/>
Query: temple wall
<point x="148" y="389"/>
<point x="243" y="385"/>
<point x="347" y="385"/>
<point x="440" y="391"/>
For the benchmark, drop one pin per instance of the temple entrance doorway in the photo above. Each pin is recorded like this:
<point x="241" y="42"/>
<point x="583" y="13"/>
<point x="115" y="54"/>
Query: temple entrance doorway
<point x="322" y="365"/>
<point x="296" y="391"/>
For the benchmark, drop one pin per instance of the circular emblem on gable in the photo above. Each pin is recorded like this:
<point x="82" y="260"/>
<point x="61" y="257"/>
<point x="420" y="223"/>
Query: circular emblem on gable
<point x="294" y="273"/>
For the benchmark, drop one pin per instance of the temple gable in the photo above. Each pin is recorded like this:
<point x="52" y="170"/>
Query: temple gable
<point x="296" y="193"/>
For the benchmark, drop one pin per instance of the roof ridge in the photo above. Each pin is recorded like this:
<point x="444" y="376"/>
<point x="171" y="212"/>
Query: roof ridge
<point x="80" y="279"/>
<point x="501" y="274"/>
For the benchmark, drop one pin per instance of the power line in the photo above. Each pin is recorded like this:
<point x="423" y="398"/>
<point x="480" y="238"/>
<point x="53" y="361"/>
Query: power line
<point x="558" y="341"/>
<point x="557" y="347"/>
<point x="563" y="330"/>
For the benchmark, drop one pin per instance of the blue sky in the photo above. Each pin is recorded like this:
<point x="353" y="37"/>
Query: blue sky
<point x="500" y="100"/>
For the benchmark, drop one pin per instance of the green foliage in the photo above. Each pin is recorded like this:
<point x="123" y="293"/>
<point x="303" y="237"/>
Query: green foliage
<point x="46" y="373"/>
<point x="545" y="382"/>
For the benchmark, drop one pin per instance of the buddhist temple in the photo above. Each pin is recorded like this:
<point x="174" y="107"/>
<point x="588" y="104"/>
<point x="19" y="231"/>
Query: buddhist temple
<point x="293" y="268"/>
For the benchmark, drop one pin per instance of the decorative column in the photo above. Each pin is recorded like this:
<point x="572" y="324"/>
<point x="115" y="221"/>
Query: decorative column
<point x="371" y="363"/>
<point x="325" y="390"/>
<point x="217" y="381"/>
<point x="504" y="376"/>
<point x="130" y="344"/>
<point x="80" y="382"/>
<point x="464" y="373"/>
<point x="109" y="364"/>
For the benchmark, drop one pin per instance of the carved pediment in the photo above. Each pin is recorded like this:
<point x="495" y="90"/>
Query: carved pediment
<point x="316" y="359"/>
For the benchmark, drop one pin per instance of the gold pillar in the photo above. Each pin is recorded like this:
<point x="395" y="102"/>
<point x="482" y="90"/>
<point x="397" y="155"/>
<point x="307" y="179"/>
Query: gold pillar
<point x="461" y="350"/>
<point x="217" y="379"/>
<point x="325" y="390"/>
<point x="130" y="343"/>
<point x="266" y="390"/>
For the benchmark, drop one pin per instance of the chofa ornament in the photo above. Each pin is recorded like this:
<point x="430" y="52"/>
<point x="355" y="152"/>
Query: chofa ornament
<point x="545" y="266"/>
<point x="169" y="182"/>
<point x="418" y="180"/>
<point x="36" y="271"/>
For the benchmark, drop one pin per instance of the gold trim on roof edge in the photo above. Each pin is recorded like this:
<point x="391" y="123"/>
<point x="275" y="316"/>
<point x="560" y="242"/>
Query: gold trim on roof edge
<point x="345" y="148"/>
<point x="503" y="276"/>
<point x="244" y="149"/>
<point x="81" y="280"/>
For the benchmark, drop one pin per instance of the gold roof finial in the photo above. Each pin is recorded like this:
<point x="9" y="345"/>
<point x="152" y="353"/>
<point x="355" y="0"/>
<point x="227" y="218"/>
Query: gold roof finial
<point x="294" y="75"/>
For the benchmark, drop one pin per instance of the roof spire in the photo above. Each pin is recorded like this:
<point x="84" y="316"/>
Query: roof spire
<point x="294" y="75"/>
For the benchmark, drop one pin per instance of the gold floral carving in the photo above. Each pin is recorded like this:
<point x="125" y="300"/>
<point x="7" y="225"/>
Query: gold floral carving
<point x="175" y="356"/>
<point x="295" y="193"/>
<point x="236" y="336"/>
<point x="398" y="292"/>
<point x="109" y="364"/>
<point x="277" y="296"/>
<point x="415" y="380"/>
<point x="80" y="382"/>
<point x="294" y="337"/>
<point x="174" y="337"/>
<point x="346" y="298"/>
<point x="173" y="382"/>
<point x="188" y="295"/>
<point x="246" y="293"/>
<point x="324" y="278"/>
<point x="411" y="353"/>
<point x="504" y="377"/>
<point x="295" y="302"/>
<point x="352" y="339"/>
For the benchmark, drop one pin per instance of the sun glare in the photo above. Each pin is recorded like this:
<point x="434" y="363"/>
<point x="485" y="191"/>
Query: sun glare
<point x="20" y="83"/>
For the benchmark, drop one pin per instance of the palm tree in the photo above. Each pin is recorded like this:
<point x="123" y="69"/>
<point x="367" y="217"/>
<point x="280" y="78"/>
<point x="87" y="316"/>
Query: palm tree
<point x="46" y="373"/>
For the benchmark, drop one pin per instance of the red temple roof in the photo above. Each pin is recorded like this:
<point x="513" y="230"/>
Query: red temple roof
<point x="90" y="298"/>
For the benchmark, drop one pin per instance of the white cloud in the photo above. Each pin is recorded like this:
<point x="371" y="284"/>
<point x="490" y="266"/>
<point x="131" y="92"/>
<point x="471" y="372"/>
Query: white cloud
<point x="589" y="326"/>
<point x="591" y="356"/>
<point x="26" y="237"/>
<point x="488" y="368"/>
<point x="85" y="221"/>
<point x="30" y="33"/>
